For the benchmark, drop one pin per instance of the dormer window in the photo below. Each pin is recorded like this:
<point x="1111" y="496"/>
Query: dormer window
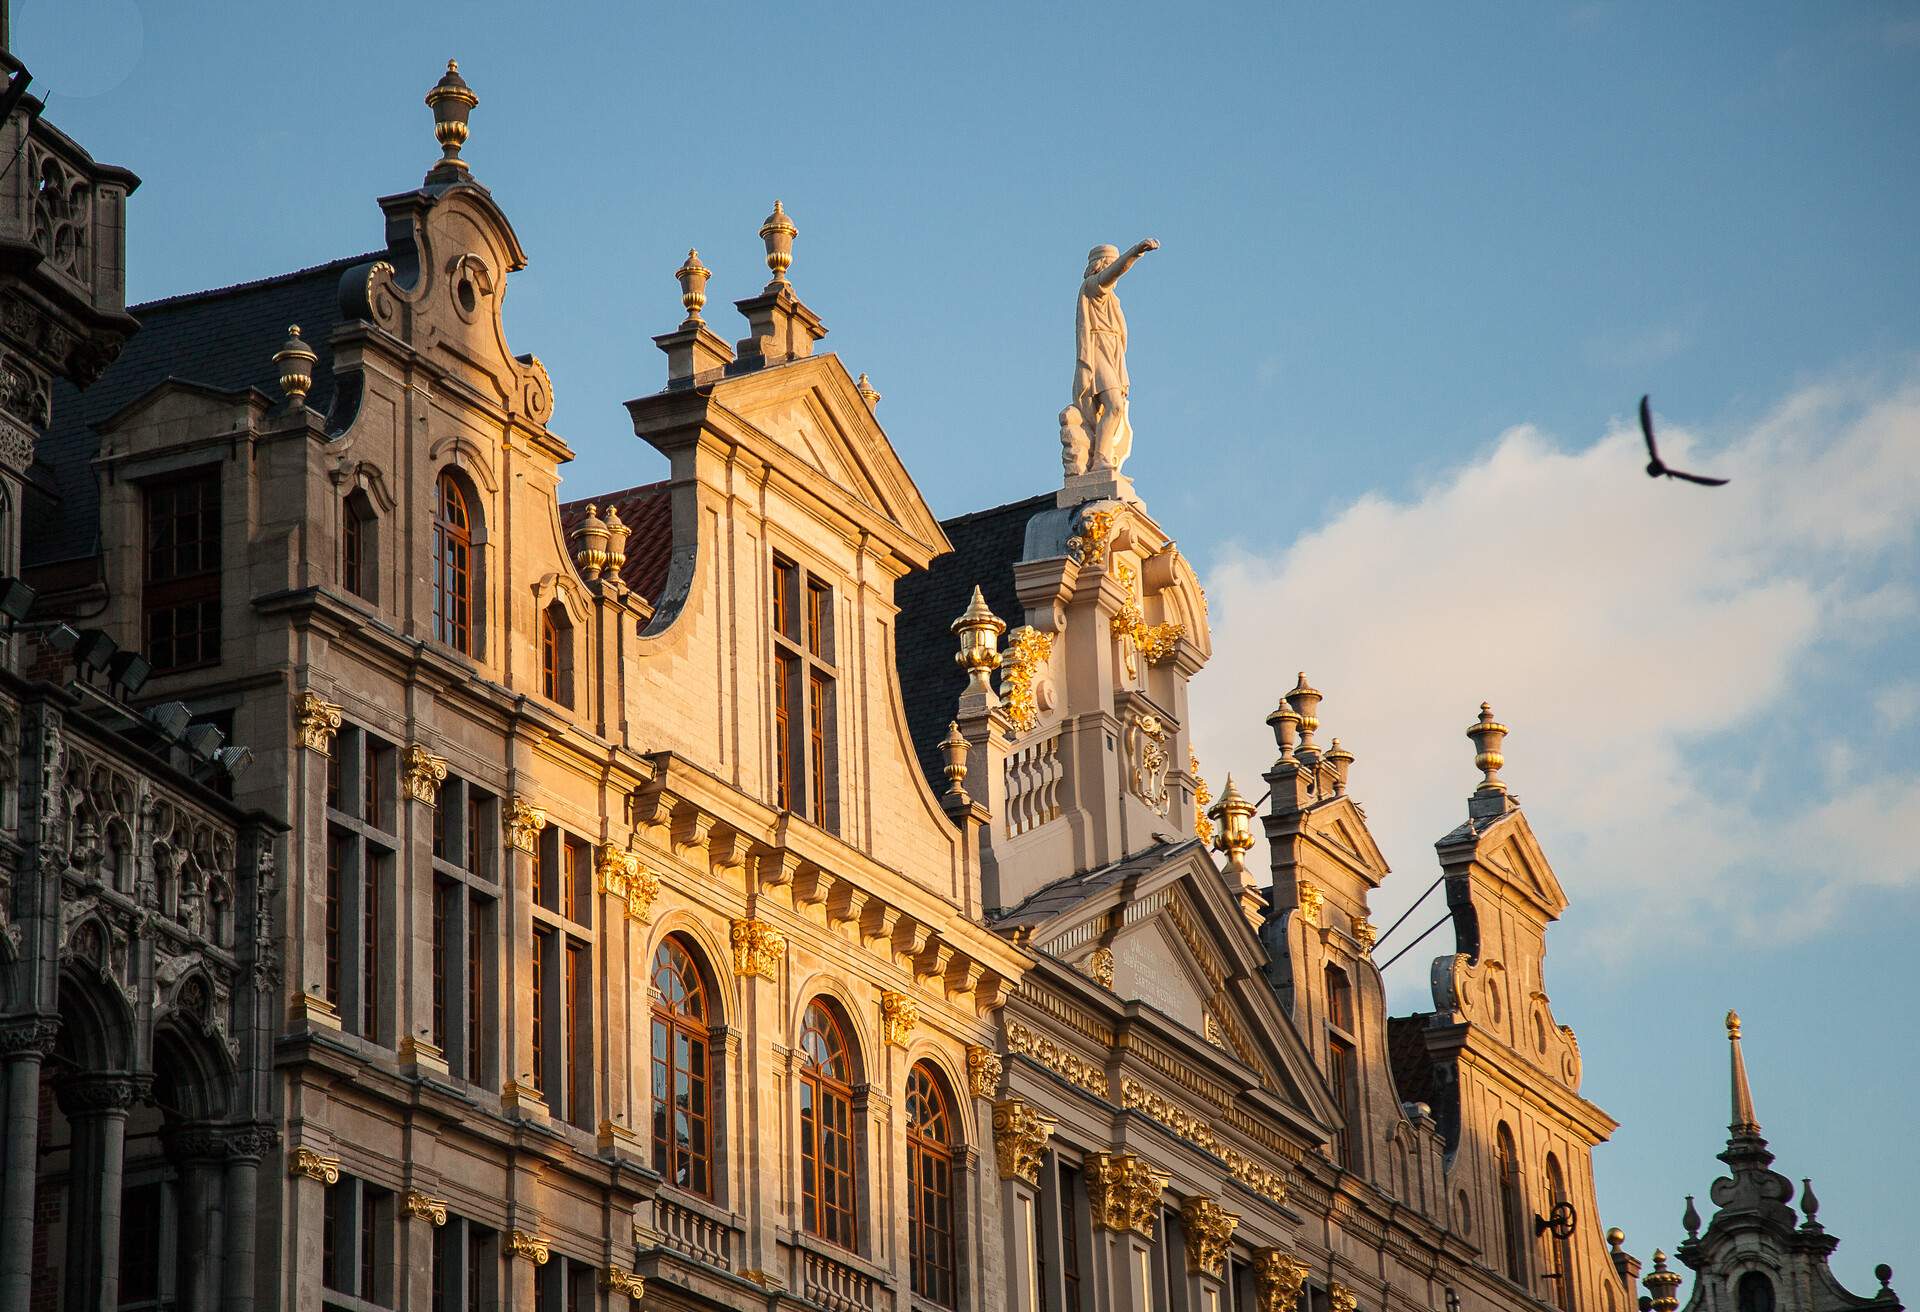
<point x="453" y="566"/>
<point x="803" y="695"/>
<point x="556" y="654"/>
<point x="180" y="587"/>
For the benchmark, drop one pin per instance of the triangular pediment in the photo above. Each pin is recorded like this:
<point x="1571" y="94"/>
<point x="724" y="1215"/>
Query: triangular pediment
<point x="1510" y="850"/>
<point x="1339" y="829"/>
<point x="807" y="417"/>
<point x="1181" y="946"/>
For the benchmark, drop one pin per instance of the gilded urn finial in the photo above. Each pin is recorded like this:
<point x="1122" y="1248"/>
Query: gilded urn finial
<point x="1285" y="723"/>
<point x="1305" y="700"/>
<point x="296" y="360"/>
<point x="1342" y="761"/>
<point x="778" y="233"/>
<point x="954" y="748"/>
<point x="979" y="631"/>
<point x="451" y="101"/>
<point x="1235" y="814"/>
<point x="1488" y="734"/>
<point x="693" y="277"/>
<point x="868" y="392"/>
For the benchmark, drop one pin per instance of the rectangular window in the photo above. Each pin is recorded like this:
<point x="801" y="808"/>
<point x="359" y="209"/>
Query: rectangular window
<point x="443" y="897"/>
<point x="538" y="966"/>
<point x="562" y="968"/>
<point x="142" y="1210"/>
<point x="352" y="551"/>
<point x="465" y="1267"/>
<point x="803" y="669"/>
<point x="377" y="785"/>
<point x="1070" y="1237"/>
<point x="1340" y="1076"/>
<point x="464" y="946"/>
<point x="336" y="857"/>
<point x="360" y="885"/>
<point x="180" y="593"/>
<point x="356" y="1240"/>
<point x="375" y="868"/>
<point x="479" y="941"/>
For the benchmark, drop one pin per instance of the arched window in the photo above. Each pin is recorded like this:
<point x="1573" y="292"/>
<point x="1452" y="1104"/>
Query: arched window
<point x="1513" y="1212"/>
<point x="930" y="1209"/>
<point x="556" y="654"/>
<point x="453" y="562"/>
<point x="1562" y="1244"/>
<point x="1753" y="1292"/>
<point x="682" y="1070"/>
<point x="359" y="554"/>
<point x="826" y="1127"/>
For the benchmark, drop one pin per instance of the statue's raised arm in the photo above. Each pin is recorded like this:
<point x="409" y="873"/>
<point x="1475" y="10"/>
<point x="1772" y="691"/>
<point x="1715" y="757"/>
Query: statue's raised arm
<point x="1094" y="430"/>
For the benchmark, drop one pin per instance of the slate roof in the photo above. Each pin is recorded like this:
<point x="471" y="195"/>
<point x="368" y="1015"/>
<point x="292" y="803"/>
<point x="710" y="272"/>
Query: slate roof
<point x="1069" y="891"/>
<point x="986" y="544"/>
<point x="224" y="338"/>
<point x="1415" y="1076"/>
<point x="648" y="511"/>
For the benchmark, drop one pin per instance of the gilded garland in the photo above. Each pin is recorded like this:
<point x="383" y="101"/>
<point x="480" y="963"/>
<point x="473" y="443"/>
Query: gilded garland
<point x="1028" y="651"/>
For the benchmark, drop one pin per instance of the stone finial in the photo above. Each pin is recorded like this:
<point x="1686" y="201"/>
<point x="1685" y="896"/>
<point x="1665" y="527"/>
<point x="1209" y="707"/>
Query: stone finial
<point x="296" y="360"/>
<point x="1341" y="760"/>
<point x="1884" y="1274"/>
<point x="1285" y="723"/>
<point x="868" y="392"/>
<point x="979" y="631"/>
<point x="590" y="544"/>
<point x="451" y="101"/>
<point x="1744" y="1123"/>
<point x="1488" y="734"/>
<point x="954" y="748"/>
<point x="1305" y="700"/>
<point x="1690" y="1219"/>
<point x="778" y="233"/>
<point x="1615" y="1238"/>
<point x="693" y="277"/>
<point x="617" y="535"/>
<point x="1809" y="1205"/>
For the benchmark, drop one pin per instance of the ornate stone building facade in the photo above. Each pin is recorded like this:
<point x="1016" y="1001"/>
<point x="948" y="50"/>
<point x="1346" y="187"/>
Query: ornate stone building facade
<point x="739" y="891"/>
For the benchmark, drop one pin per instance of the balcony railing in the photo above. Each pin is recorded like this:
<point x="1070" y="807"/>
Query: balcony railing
<point x="837" y="1285"/>
<point x="1033" y="785"/>
<point x="697" y="1235"/>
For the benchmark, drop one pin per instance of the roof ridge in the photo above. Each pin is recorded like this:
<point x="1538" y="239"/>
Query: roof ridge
<point x="597" y="497"/>
<point x="257" y="284"/>
<point x="994" y="510"/>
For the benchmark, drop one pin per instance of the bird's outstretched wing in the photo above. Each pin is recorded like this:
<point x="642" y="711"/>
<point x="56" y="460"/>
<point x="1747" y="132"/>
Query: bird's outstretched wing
<point x="1701" y="479"/>
<point x="1646" y="431"/>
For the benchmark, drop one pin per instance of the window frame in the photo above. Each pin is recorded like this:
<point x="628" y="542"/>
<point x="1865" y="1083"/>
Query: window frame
<point x="362" y="877"/>
<point x="669" y="1025"/>
<point x="934" y="1175"/>
<point x="556" y="643"/>
<point x="176" y="592"/>
<point x="833" y="1220"/>
<point x="456" y="566"/>
<point x="465" y="947"/>
<point x="805" y="694"/>
<point x="1343" y="1066"/>
<point x="359" y="546"/>
<point x="561" y="973"/>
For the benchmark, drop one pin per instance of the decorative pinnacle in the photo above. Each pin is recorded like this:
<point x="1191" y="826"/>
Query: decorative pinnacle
<point x="979" y="631"/>
<point x="954" y="748"/>
<point x="1341" y="760"/>
<point x="1662" y="1283"/>
<point x="296" y="360"/>
<point x="778" y="233"/>
<point x="868" y="392"/>
<point x="1745" y="1123"/>
<point x="1285" y="723"/>
<point x="451" y="101"/>
<point x="1305" y="699"/>
<point x="1616" y="1237"/>
<point x="693" y="277"/>
<point x="1488" y="734"/>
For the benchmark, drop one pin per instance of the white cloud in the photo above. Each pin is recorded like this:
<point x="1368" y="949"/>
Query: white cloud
<point x="1898" y="704"/>
<point x="1632" y="632"/>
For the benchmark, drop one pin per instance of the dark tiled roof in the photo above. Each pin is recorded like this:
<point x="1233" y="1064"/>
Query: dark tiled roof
<point x="1049" y="900"/>
<point x="1414" y="1074"/>
<point x="648" y="511"/>
<point x="985" y="546"/>
<point x="223" y="339"/>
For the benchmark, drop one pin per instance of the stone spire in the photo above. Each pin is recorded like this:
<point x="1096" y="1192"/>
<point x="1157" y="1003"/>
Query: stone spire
<point x="1745" y="1124"/>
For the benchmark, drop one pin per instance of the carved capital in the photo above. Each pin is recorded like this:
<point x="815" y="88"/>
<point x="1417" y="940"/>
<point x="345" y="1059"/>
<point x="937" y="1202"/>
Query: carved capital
<point x="314" y="1165"/>
<point x="20" y="1035"/>
<point x="426" y="1208"/>
<point x="898" y="1015"/>
<point x="524" y="821"/>
<point x="1020" y="1134"/>
<point x="622" y="875"/>
<point x="1124" y="1190"/>
<point x="317" y="720"/>
<point x="250" y="1142"/>
<point x="983" y="1070"/>
<point x="98" y="1094"/>
<point x="618" y="1280"/>
<point x="1340" y="1298"/>
<point x="1209" y="1228"/>
<point x="757" y="949"/>
<point x="422" y="773"/>
<point x="1277" y="1279"/>
<point x="531" y="1247"/>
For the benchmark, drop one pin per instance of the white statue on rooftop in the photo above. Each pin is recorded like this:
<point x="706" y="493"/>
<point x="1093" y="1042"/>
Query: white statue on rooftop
<point x="1094" y="431"/>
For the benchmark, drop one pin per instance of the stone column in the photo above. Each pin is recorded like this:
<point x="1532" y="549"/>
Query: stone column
<point x="1020" y="1134"/>
<point x="96" y="1105"/>
<point x="246" y="1145"/>
<point x="198" y="1152"/>
<point x="1123" y="1192"/>
<point x="420" y="1215"/>
<point x="303" y="1269"/>
<point x="24" y="1042"/>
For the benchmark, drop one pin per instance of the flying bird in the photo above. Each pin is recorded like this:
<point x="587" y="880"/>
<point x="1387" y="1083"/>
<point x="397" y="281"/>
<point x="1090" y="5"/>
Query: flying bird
<point x="1656" y="467"/>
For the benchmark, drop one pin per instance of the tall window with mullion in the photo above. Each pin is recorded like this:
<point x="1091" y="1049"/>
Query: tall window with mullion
<point x="561" y="965"/>
<point x="180" y="584"/>
<point x="362" y="778"/>
<point x="682" y="1068"/>
<point x="805" y="746"/>
<point x="466" y="1266"/>
<point x="466" y="902"/>
<point x="1342" y="1069"/>
<point x="827" y="1133"/>
<point x="931" y="1141"/>
<point x="356" y="1241"/>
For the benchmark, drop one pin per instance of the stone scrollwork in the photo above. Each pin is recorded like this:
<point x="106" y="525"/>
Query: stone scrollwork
<point x="521" y="1243"/>
<point x="1277" y="1279"/>
<point x="1020" y="1134"/>
<point x="524" y="821"/>
<point x="422" y="773"/>
<point x="317" y="720"/>
<point x="757" y="949"/>
<point x="618" y="1280"/>
<point x="898" y="1015"/>
<point x="1146" y="743"/>
<point x="983" y="1070"/>
<point x="1209" y="1229"/>
<point x="427" y="1208"/>
<point x="314" y="1165"/>
<point x="1023" y="666"/>
<point x="1124" y="1192"/>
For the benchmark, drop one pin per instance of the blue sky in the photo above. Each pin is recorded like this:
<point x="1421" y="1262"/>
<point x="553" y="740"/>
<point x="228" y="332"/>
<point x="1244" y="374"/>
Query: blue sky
<point x="1418" y="264"/>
